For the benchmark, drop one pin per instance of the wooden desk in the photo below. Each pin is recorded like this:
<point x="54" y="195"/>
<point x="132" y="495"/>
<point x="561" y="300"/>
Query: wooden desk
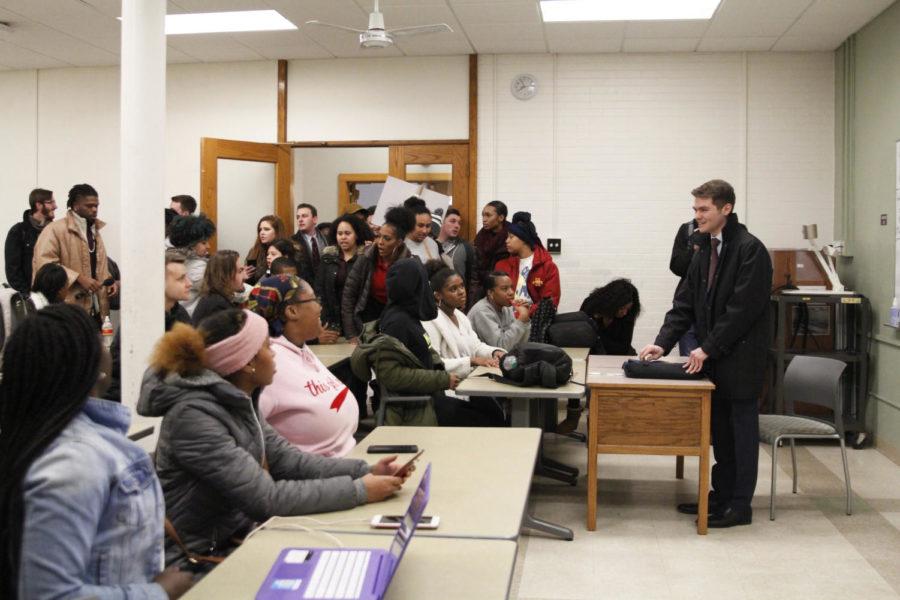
<point x="332" y="354"/>
<point x="646" y="416"/>
<point x="431" y="568"/>
<point x="480" y="479"/>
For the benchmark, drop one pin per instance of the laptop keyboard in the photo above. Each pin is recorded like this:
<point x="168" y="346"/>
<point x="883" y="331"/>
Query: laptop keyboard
<point x="339" y="574"/>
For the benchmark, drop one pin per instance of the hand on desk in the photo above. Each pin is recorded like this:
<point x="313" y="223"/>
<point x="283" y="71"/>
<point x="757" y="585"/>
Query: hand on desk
<point x="695" y="361"/>
<point x="174" y="582"/>
<point x="476" y="361"/>
<point x="651" y="352"/>
<point x="380" y="487"/>
<point x="454" y="381"/>
<point x="389" y="465"/>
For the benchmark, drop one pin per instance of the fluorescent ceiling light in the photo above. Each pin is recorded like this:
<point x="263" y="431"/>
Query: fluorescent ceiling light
<point x="626" y="10"/>
<point x="226" y="22"/>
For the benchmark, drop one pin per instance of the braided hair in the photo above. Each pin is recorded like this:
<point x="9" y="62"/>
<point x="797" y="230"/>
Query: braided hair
<point x="50" y="365"/>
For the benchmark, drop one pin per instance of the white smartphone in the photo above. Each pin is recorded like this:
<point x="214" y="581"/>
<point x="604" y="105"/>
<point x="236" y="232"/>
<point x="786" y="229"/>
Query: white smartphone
<point x="393" y="522"/>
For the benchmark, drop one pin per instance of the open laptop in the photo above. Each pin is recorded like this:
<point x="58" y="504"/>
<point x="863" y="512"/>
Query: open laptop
<point x="344" y="573"/>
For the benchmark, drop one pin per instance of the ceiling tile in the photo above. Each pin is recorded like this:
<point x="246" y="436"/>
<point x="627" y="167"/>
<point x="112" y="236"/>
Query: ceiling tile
<point x="213" y="47"/>
<point x="660" y="44"/>
<point x="836" y="18"/>
<point x="339" y="12"/>
<point x="201" y="6"/>
<point x="50" y="42"/>
<point x="435" y="44"/>
<point x="585" y="37"/>
<point x="736" y="44"/>
<point x="282" y="44"/>
<point x="175" y="56"/>
<point x="69" y="16"/>
<point x="498" y="39"/>
<point x="16" y="57"/>
<point x="345" y="44"/>
<point x="755" y="18"/>
<point x="819" y="43"/>
<point x="665" y="29"/>
<point x="499" y="12"/>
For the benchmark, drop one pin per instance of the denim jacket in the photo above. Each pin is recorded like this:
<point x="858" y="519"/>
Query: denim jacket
<point x="93" y="513"/>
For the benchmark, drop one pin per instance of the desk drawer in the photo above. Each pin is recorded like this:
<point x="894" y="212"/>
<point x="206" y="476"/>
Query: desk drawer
<point x="642" y="420"/>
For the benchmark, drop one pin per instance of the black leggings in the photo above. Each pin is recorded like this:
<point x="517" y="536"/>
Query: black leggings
<point x="479" y="411"/>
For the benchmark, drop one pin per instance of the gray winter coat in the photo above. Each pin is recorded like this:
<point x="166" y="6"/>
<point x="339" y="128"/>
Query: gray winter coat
<point x="209" y="460"/>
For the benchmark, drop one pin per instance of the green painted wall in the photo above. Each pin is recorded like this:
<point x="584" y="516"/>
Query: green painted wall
<point x="874" y="119"/>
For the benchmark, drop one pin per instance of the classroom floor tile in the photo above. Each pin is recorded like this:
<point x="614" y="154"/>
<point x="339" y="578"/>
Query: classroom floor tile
<point x="644" y="549"/>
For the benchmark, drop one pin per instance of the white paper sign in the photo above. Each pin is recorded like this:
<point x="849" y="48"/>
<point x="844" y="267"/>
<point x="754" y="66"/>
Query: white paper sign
<point x="395" y="191"/>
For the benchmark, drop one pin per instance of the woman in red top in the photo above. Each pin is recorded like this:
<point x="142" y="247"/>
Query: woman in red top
<point x="365" y="292"/>
<point x="529" y="266"/>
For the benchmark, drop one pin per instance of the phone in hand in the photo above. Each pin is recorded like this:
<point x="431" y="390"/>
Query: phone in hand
<point x="394" y="521"/>
<point x="393" y="449"/>
<point x="402" y="470"/>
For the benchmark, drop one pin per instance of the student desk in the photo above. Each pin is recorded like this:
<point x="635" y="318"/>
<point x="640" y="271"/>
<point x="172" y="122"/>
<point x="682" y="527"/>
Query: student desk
<point x="431" y="568"/>
<point x="480" y="478"/>
<point x="646" y="416"/>
<point x="332" y="354"/>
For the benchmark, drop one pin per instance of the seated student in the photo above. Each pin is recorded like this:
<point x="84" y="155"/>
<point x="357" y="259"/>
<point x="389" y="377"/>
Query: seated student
<point x="460" y="350"/>
<point x="419" y="240"/>
<point x="284" y="266"/>
<point x="365" y="292"/>
<point x="51" y="285"/>
<point x="222" y="468"/>
<point x="614" y="307"/>
<point x="278" y="249"/>
<point x="400" y="353"/>
<point x="529" y="265"/>
<point x="222" y="281"/>
<point x="81" y="509"/>
<point x="305" y="402"/>
<point x="190" y="235"/>
<point x="347" y="245"/>
<point x="498" y="318"/>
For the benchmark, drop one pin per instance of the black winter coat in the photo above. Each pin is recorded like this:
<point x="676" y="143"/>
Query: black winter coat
<point x="356" y="289"/>
<point x="683" y="248"/>
<point x="326" y="283"/>
<point x="19" y="252"/>
<point x="210" y="304"/>
<point x="732" y="321"/>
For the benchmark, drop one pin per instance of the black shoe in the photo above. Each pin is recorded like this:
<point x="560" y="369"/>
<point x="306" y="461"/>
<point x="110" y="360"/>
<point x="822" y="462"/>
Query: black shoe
<point x="730" y="518"/>
<point x="691" y="508"/>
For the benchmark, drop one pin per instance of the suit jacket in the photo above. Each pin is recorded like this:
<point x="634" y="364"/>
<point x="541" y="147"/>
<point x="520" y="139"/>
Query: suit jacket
<point x="732" y="320"/>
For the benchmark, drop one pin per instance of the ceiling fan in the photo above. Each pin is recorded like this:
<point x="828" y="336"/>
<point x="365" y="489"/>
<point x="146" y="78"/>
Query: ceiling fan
<point x="376" y="36"/>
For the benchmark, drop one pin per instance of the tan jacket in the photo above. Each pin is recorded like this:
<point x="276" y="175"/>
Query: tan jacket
<point x="62" y="242"/>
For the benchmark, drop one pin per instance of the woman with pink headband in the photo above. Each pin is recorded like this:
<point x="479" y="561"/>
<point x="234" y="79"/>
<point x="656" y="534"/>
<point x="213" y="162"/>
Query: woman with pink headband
<point x="221" y="467"/>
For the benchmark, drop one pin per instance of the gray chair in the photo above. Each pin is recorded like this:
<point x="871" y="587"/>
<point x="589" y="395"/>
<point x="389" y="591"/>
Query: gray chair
<point x="812" y="380"/>
<point x="387" y="397"/>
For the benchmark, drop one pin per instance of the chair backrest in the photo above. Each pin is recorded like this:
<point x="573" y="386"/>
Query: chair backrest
<point x="815" y="380"/>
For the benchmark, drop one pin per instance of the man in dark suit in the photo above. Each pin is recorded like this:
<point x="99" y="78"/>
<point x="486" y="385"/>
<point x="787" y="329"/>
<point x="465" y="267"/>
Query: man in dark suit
<point x="725" y="297"/>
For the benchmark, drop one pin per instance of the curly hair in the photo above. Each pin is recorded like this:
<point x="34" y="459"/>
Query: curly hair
<point x="401" y="219"/>
<point x="606" y="301"/>
<point x="362" y="231"/>
<point x="189" y="230"/>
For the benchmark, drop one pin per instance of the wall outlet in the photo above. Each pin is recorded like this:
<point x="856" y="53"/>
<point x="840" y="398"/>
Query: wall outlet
<point x="554" y="245"/>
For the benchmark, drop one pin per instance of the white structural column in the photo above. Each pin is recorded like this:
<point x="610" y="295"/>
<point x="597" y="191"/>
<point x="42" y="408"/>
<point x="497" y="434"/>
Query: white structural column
<point x="143" y="124"/>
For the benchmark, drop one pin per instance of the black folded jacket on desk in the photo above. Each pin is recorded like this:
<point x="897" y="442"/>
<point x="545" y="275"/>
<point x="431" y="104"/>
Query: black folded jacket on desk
<point x="657" y="369"/>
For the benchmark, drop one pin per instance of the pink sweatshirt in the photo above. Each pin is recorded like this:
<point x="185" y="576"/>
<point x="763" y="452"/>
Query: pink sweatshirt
<point x="308" y="405"/>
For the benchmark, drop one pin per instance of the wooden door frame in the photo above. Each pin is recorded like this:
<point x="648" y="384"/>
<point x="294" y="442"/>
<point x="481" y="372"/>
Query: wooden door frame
<point x="212" y="149"/>
<point x="346" y="178"/>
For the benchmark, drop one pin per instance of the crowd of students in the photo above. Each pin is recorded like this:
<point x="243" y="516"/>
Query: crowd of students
<point x="253" y="424"/>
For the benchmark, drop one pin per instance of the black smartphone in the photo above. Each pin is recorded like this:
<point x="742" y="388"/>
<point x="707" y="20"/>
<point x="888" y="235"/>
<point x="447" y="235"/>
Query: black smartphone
<point x="393" y="449"/>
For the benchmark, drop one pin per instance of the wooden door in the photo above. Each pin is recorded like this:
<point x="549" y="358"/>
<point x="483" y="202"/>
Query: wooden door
<point x="213" y="149"/>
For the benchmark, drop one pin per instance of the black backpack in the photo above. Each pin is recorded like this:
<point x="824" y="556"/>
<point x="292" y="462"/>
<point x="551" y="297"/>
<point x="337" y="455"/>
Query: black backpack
<point x="573" y="330"/>
<point x="535" y="364"/>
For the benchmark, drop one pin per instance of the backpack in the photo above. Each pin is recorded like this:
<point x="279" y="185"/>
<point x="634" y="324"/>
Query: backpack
<point x="535" y="364"/>
<point x="14" y="307"/>
<point x="573" y="330"/>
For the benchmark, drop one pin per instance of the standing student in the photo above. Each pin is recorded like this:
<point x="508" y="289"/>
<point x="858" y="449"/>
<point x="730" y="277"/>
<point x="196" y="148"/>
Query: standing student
<point x="183" y="205"/>
<point x="490" y="242"/>
<point x="75" y="243"/>
<point x="347" y="247"/>
<point x="419" y="240"/>
<point x="452" y="336"/>
<point x="222" y="281"/>
<point x="222" y="467"/>
<point x="365" y="292"/>
<point x="725" y="297"/>
<point x="497" y="318"/>
<point x="81" y="509"/>
<point x="529" y="265"/>
<point x="460" y="252"/>
<point x="269" y="229"/>
<point x="305" y="402"/>
<point x="310" y="239"/>
<point x="687" y="243"/>
<point x="279" y="249"/>
<point x="20" y="241"/>
<point x="190" y="236"/>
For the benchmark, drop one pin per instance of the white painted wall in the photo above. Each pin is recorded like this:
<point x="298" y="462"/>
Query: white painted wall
<point x="607" y="152"/>
<point x="316" y="173"/>
<point x="18" y="146"/>
<point x="378" y="99"/>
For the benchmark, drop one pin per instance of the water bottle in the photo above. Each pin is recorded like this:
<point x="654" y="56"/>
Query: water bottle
<point x="107" y="331"/>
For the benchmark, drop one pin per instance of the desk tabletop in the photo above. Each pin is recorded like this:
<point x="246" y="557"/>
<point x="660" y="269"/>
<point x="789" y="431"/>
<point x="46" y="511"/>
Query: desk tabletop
<point x="331" y="354"/>
<point x="606" y="371"/>
<point x="431" y="568"/>
<point x="480" y="479"/>
<point x="476" y="384"/>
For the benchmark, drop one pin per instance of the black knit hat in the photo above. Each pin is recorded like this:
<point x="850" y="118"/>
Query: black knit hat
<point x="522" y="227"/>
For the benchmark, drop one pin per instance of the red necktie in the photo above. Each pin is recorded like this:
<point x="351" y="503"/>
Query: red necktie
<point x="713" y="263"/>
